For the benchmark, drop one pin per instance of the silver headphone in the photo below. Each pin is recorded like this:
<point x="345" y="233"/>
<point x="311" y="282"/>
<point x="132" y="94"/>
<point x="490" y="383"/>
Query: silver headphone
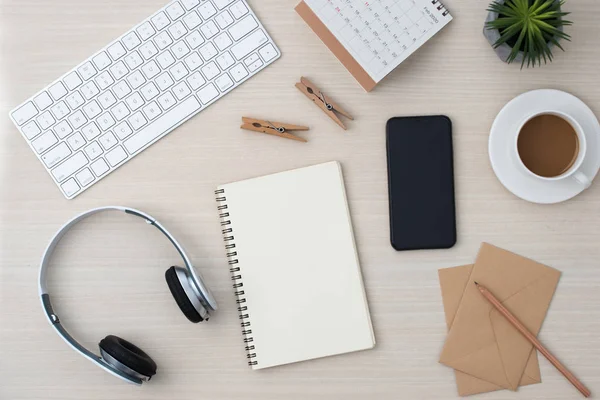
<point x="118" y="356"/>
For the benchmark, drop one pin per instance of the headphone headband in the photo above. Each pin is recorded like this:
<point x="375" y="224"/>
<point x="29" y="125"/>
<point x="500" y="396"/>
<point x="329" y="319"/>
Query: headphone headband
<point x="198" y="284"/>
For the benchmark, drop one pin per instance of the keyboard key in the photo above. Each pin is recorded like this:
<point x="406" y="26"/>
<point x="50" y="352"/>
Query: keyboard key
<point x="209" y="29"/>
<point x="223" y="41"/>
<point x="211" y="70"/>
<point x="152" y="111"/>
<point x="192" y="20"/>
<point x="91" y="131"/>
<point x="121" y="89"/>
<point x="193" y="62"/>
<point x="45" y="120"/>
<point x="92" y="109"/>
<point x="150" y="91"/>
<point x="137" y="120"/>
<point x="108" y="141"/>
<point x="179" y="71"/>
<point x="106" y="121"/>
<point x="75" y="100"/>
<point x="136" y="79"/>
<point x="194" y="39"/>
<point x="131" y="40"/>
<point x="146" y="31"/>
<point x="249" y="44"/>
<point x="177" y="30"/>
<point x="84" y="177"/>
<point x="107" y="99"/>
<point x="208" y="51"/>
<point x="151" y="69"/>
<point x="102" y="61"/>
<point x="164" y="81"/>
<point x="58" y="90"/>
<point x="123" y="130"/>
<point x="180" y="50"/>
<point x="224" y="19"/>
<point x="69" y="167"/>
<point x="268" y="52"/>
<point x="90" y="90"/>
<point x="207" y="10"/>
<point x="208" y="94"/>
<point x="196" y="81"/>
<point x="160" y="21"/>
<point x="104" y="80"/>
<point x="135" y="101"/>
<point x="120" y="111"/>
<point x="163" y="40"/>
<point x="116" y="51"/>
<point x="225" y="60"/>
<point x="255" y="65"/>
<point x="76" y="141"/>
<point x="167" y="101"/>
<point x="72" y="80"/>
<point x="116" y="156"/>
<point x="134" y="59"/>
<point x="181" y="90"/>
<point x="44" y="142"/>
<point x="42" y="101"/>
<point x="251" y="59"/>
<point x="87" y="70"/>
<point x="224" y="82"/>
<point x="189" y="4"/>
<point x="119" y="70"/>
<point x="238" y="10"/>
<point x="62" y="129"/>
<point x="77" y="119"/>
<point x="175" y="10"/>
<point x="165" y="122"/>
<point x="93" y="151"/>
<point x="60" y="110"/>
<point x="166" y="59"/>
<point x="242" y="28"/>
<point x="31" y="130"/>
<point x="24" y="113"/>
<point x="99" y="167"/>
<point x="56" y="155"/>
<point x="221" y="4"/>
<point x="148" y="51"/>
<point x="70" y="187"/>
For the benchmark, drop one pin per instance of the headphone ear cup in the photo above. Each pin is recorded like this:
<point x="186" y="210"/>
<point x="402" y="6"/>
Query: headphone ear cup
<point x="180" y="296"/>
<point x="127" y="354"/>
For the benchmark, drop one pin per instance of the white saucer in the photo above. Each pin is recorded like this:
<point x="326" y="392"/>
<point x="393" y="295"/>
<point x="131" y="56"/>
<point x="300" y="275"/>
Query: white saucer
<point x="503" y="137"/>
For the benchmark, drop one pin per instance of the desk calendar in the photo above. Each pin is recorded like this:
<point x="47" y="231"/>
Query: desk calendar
<point x="372" y="37"/>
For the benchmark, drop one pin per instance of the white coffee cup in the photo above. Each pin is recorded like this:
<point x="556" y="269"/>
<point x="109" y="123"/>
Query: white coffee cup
<point x="574" y="172"/>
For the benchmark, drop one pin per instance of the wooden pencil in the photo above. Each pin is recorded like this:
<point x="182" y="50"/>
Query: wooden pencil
<point x="531" y="337"/>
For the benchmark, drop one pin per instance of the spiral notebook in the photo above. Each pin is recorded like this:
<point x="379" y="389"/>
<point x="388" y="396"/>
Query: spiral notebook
<point x="294" y="265"/>
<point x="372" y="37"/>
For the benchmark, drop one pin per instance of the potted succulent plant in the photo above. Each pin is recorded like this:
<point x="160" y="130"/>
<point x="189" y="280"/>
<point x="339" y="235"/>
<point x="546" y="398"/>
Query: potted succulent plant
<point x="526" y="31"/>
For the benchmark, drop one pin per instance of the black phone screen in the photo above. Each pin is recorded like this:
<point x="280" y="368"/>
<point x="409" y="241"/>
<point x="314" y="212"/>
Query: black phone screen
<point x="421" y="183"/>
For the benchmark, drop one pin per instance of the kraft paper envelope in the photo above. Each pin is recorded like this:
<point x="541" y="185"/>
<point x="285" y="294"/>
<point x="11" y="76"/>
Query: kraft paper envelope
<point x="481" y="342"/>
<point x="453" y="282"/>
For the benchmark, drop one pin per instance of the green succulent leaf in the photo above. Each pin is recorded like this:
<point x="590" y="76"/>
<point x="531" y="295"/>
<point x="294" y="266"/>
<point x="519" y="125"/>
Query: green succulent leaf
<point x="530" y="26"/>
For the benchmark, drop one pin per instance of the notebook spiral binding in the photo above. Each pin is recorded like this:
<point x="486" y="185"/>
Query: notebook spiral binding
<point x="440" y="6"/>
<point x="236" y="277"/>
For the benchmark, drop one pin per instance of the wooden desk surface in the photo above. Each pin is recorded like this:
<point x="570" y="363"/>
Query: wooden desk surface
<point x="107" y="275"/>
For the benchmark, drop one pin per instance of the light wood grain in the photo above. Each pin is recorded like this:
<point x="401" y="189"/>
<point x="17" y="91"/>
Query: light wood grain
<point x="107" y="275"/>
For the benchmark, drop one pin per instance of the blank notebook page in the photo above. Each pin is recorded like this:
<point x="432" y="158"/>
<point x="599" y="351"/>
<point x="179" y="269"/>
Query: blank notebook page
<point x="298" y="265"/>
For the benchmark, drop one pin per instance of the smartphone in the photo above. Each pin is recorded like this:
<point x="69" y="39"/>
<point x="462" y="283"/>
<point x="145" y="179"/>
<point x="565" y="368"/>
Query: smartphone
<point x="421" y="183"/>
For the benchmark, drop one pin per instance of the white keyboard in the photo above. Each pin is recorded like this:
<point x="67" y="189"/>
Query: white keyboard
<point x="140" y="87"/>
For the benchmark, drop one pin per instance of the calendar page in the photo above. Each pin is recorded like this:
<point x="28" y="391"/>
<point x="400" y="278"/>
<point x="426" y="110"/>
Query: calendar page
<point x="380" y="34"/>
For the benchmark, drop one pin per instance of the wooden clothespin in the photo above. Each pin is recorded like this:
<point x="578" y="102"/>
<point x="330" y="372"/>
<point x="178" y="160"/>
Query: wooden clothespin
<point x="273" y="128"/>
<point x="323" y="101"/>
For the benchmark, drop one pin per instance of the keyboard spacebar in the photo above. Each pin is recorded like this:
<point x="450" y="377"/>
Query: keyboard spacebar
<point x="162" y="125"/>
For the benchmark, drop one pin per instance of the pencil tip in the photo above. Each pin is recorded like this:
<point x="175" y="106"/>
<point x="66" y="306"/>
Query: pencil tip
<point x="476" y="283"/>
